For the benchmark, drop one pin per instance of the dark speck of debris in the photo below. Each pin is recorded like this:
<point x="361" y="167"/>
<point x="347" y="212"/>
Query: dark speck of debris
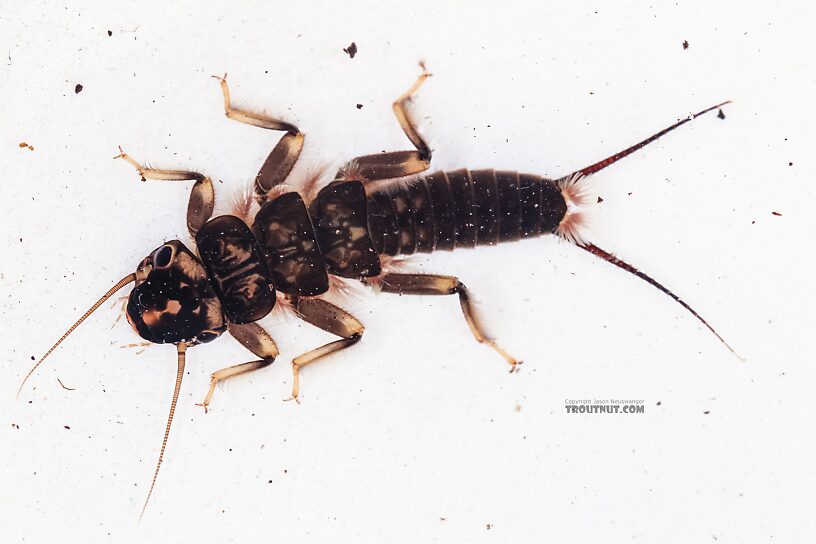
<point x="360" y="106"/>
<point x="790" y="164"/>
<point x="270" y="481"/>
<point x="600" y="200"/>
<point x="721" y="115"/>
<point x="110" y="33"/>
<point x="685" y="44"/>
<point x="443" y="519"/>
<point x="24" y="145"/>
<point x="351" y="50"/>
<point x="488" y="526"/>
<point x="658" y="403"/>
<point x="630" y="194"/>
<point x="78" y="88"/>
<point x="32" y="357"/>
<point x="776" y="214"/>
<point x="67" y="427"/>
<point x="15" y="426"/>
<point x="706" y="412"/>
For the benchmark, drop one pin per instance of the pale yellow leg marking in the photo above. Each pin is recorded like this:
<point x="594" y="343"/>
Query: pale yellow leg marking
<point x="312" y="356"/>
<point x="402" y="114"/>
<point x="330" y="318"/>
<point x="202" y="196"/>
<point x="381" y="168"/>
<point x="432" y="284"/>
<point x="229" y="372"/>
<point x="253" y="337"/>
<point x="161" y="175"/>
<point x="478" y="333"/>
<point x="254" y="119"/>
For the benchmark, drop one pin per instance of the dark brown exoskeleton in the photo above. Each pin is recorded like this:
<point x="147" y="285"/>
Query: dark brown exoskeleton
<point x="298" y="243"/>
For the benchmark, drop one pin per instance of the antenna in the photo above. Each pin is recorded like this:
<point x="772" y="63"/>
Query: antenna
<point x="121" y="283"/>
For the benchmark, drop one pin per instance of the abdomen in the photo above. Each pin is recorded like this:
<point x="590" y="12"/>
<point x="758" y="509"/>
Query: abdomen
<point x="462" y="208"/>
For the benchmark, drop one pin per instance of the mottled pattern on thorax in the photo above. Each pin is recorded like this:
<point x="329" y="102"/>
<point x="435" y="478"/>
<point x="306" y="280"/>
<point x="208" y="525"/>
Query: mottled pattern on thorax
<point x="340" y="219"/>
<point x="237" y="268"/>
<point x="284" y="231"/>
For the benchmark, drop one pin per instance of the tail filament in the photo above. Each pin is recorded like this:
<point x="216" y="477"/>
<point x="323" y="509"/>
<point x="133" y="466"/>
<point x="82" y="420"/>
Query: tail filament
<point x="608" y="257"/>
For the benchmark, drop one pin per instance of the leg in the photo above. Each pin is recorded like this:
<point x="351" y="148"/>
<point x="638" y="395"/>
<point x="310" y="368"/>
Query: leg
<point x="330" y="318"/>
<point x="284" y="155"/>
<point x="256" y="340"/>
<point x="430" y="284"/>
<point x="202" y="197"/>
<point x="398" y="163"/>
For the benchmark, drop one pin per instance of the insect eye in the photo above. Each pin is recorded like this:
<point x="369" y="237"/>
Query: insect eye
<point x="163" y="257"/>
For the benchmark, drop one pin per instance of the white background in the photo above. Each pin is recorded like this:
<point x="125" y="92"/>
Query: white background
<point x="419" y="434"/>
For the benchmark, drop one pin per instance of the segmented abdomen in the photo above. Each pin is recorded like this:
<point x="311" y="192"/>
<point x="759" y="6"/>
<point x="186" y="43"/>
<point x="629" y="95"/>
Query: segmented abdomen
<point x="462" y="208"/>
